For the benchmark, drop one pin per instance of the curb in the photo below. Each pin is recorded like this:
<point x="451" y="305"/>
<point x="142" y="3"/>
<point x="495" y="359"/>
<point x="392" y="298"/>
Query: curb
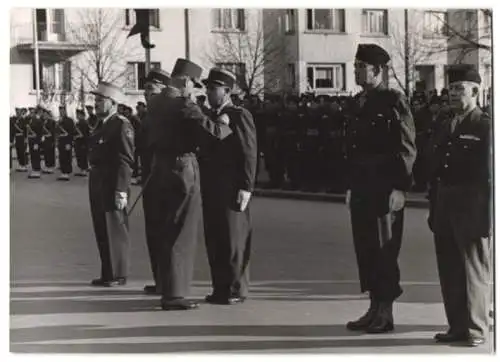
<point x="412" y="201"/>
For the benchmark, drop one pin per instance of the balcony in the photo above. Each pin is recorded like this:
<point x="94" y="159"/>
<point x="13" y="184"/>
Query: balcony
<point x="50" y="44"/>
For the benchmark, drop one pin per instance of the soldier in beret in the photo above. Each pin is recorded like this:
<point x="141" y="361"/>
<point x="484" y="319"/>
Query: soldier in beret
<point x="81" y="143"/>
<point x="35" y="134"/>
<point x="20" y="140"/>
<point x="178" y="129"/>
<point x="380" y="154"/>
<point x="156" y="81"/>
<point x="460" y="167"/>
<point x="66" y="131"/>
<point x="111" y="158"/>
<point x="49" y="142"/>
<point x="228" y="171"/>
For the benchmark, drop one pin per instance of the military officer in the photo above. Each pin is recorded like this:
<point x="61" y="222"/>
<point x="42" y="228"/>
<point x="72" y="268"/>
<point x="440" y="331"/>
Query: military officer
<point x="81" y="143"/>
<point x="227" y="173"/>
<point x="380" y="152"/>
<point x="178" y="127"/>
<point x="460" y="210"/>
<point x="35" y="134"/>
<point x="111" y="158"/>
<point x="156" y="80"/>
<point x="66" y="131"/>
<point x="136" y="123"/>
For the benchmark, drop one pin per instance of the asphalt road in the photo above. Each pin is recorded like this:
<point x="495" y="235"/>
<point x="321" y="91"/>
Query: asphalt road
<point x="303" y="271"/>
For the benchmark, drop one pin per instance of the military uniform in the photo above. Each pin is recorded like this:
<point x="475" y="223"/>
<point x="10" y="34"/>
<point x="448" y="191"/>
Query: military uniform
<point x="35" y="134"/>
<point x="111" y="159"/>
<point x="177" y="127"/>
<point x="274" y="155"/>
<point x="66" y="131"/>
<point x="49" y="143"/>
<point x="82" y="145"/>
<point x="380" y="154"/>
<point x="460" y="217"/>
<point x="20" y="131"/>
<point x="227" y="167"/>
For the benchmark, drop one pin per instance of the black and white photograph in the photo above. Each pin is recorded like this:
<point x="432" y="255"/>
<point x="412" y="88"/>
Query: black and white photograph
<point x="248" y="179"/>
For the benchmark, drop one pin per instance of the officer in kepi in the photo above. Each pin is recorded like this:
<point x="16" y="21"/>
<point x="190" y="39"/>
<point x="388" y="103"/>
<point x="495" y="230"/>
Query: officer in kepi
<point x="111" y="159"/>
<point x="227" y="171"/>
<point x="380" y="153"/>
<point x="460" y="170"/>
<point x="178" y="129"/>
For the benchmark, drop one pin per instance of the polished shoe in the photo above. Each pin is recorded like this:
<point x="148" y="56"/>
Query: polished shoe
<point x="34" y="175"/>
<point x="109" y="283"/>
<point x="449" y="337"/>
<point x="366" y="319"/>
<point x="474" y="342"/>
<point x="223" y="300"/>
<point x="178" y="304"/>
<point x="383" y="321"/>
<point x="64" y="177"/>
<point x="151" y="289"/>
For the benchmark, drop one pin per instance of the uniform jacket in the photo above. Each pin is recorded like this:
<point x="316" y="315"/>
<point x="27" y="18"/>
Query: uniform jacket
<point x="462" y="160"/>
<point x="112" y="153"/>
<point x="380" y="136"/>
<point x="233" y="161"/>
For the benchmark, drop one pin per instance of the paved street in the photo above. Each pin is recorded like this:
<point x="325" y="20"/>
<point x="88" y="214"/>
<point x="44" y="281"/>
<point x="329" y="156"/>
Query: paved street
<point x="303" y="271"/>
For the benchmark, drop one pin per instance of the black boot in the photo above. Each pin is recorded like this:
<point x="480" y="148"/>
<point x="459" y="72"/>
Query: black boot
<point x="365" y="320"/>
<point x="383" y="321"/>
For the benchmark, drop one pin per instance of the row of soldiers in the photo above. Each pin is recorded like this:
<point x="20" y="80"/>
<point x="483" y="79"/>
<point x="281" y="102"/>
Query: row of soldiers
<point x="36" y="135"/>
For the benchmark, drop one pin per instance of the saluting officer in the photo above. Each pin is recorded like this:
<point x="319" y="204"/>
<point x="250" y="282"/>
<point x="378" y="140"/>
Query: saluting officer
<point x="111" y="159"/>
<point x="66" y="131"/>
<point x="81" y="143"/>
<point x="380" y="152"/>
<point x="178" y="127"/>
<point x="460" y="210"/>
<point x="156" y="80"/>
<point x="227" y="172"/>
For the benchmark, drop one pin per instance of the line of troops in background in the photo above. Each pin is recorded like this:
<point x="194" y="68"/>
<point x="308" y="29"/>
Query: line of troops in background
<point x="301" y="140"/>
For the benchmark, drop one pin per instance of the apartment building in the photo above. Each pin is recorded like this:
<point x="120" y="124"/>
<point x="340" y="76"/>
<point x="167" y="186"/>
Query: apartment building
<point x="77" y="47"/>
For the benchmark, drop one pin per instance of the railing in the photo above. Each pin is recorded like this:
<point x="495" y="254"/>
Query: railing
<point x="23" y="34"/>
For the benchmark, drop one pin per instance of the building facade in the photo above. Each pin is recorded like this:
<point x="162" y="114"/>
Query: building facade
<point x="270" y="50"/>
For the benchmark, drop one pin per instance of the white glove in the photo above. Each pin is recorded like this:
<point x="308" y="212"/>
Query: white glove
<point x="243" y="199"/>
<point x="223" y="118"/>
<point x="120" y="200"/>
<point x="348" y="198"/>
<point x="396" y="200"/>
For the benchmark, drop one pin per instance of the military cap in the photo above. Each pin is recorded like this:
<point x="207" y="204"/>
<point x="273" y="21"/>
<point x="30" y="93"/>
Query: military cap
<point x="221" y="77"/>
<point x="463" y="73"/>
<point x="110" y="91"/>
<point x="372" y="54"/>
<point x="184" y="67"/>
<point x="158" y="76"/>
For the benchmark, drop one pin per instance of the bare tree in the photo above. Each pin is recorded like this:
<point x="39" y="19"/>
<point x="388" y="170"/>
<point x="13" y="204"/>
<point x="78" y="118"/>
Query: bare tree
<point x="100" y="30"/>
<point x="251" y="51"/>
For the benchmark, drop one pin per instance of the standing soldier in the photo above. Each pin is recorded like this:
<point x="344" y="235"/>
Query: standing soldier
<point x="380" y="152"/>
<point x="66" y="131"/>
<point x="136" y="123"/>
<point x="35" y="134"/>
<point x="49" y="142"/>
<point x="111" y="159"/>
<point x="227" y="179"/>
<point x="81" y="143"/>
<point x="156" y="80"/>
<point x="92" y="119"/>
<point x="178" y="126"/>
<point x="20" y="124"/>
<point x="460" y="210"/>
<point x="140" y="109"/>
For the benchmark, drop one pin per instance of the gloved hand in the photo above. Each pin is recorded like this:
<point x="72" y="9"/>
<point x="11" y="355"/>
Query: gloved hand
<point x="243" y="199"/>
<point x="120" y="200"/>
<point x="396" y="200"/>
<point x="223" y="118"/>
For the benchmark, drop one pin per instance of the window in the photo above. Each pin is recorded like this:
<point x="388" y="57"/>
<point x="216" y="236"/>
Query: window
<point x="54" y="76"/>
<point x="154" y="18"/>
<point x="238" y="69"/>
<point x="136" y="74"/>
<point x="290" y="21"/>
<point x="435" y="23"/>
<point x="229" y="19"/>
<point x="326" y="19"/>
<point x="374" y="21"/>
<point x="50" y="24"/>
<point x="328" y="76"/>
<point x="291" y="75"/>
